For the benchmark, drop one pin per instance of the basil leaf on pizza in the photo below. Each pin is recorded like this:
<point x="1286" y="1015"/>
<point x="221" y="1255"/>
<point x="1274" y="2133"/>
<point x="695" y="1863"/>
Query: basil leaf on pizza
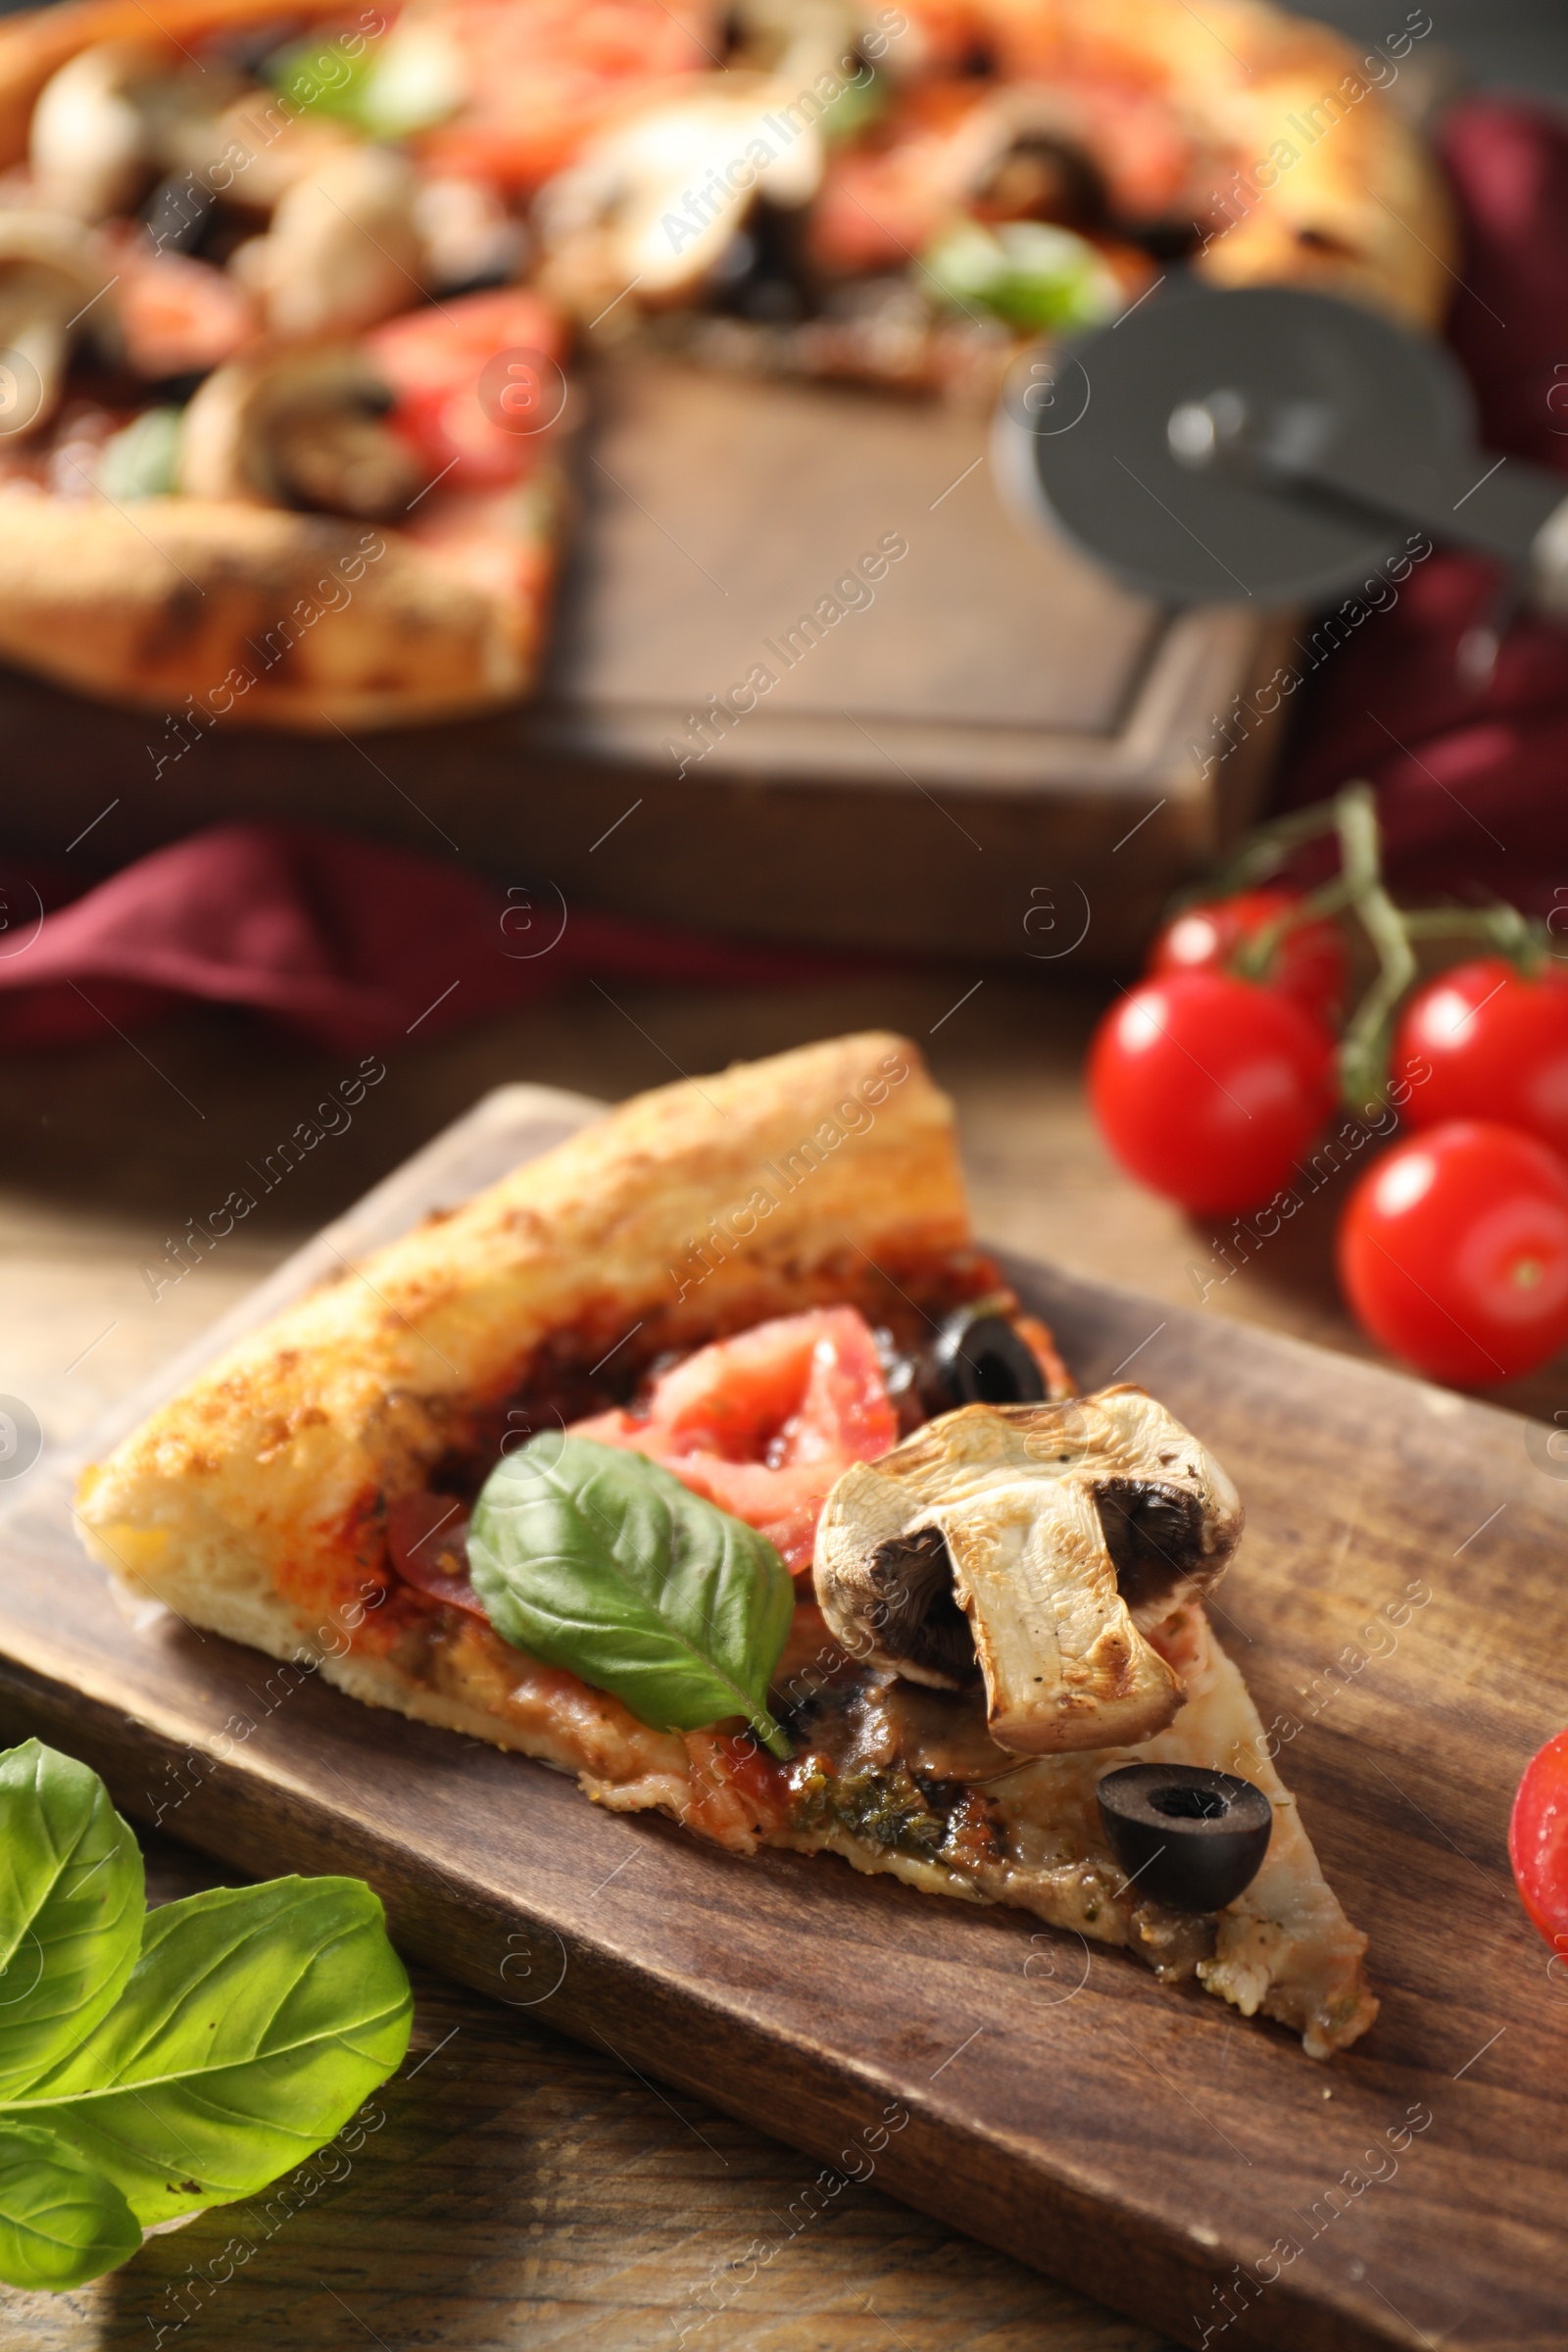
<point x="596" y="1560"/>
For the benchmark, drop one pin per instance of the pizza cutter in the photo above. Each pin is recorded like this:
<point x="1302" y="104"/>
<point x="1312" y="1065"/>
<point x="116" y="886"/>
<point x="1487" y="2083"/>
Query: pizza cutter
<point x="1267" y="446"/>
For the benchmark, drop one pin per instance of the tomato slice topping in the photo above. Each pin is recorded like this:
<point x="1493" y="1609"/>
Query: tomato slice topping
<point x="443" y="345"/>
<point x="542" y="78"/>
<point x="764" y="1424"/>
<point x="178" y="315"/>
<point x="433" y="359"/>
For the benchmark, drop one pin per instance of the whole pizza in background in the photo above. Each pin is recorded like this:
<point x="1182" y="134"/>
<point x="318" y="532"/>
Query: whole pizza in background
<point x="286" y="299"/>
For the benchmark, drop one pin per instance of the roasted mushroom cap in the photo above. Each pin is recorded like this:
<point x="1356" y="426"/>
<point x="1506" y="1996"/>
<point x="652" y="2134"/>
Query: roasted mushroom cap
<point x="90" y="142"/>
<point x="1033" y="1545"/>
<point x="253" y="152"/>
<point x="298" y="428"/>
<point x="344" y="250"/>
<point x="49" y="278"/>
<point x="654" y="201"/>
<point x="116" y="117"/>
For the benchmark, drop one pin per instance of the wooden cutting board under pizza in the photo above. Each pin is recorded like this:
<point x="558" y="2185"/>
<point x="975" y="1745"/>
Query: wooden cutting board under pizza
<point x="709" y="1460"/>
<point x="287" y="295"/>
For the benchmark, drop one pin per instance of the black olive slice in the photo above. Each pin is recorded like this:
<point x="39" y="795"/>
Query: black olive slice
<point x="1186" y="1834"/>
<point x="178" y="213"/>
<point x="978" y="1359"/>
<point x="765" y="272"/>
<point x="1041" y="178"/>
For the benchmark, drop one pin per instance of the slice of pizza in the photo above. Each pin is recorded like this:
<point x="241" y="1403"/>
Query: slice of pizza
<point x="707" y="1458"/>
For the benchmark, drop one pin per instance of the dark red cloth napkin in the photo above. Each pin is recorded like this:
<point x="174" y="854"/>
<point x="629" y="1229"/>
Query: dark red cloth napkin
<point x="347" y="942"/>
<point x="1471" y="779"/>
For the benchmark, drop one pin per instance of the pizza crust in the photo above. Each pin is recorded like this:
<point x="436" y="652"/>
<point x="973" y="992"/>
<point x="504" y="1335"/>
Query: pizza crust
<point x="33" y="47"/>
<point x="296" y="620"/>
<point x="1319" y="181"/>
<point x="248" y="1503"/>
<point x="1335" y="191"/>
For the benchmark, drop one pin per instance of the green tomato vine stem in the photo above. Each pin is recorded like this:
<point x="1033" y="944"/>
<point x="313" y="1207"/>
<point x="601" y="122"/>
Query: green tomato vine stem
<point x="1359" y="889"/>
<point x="1364" y="1047"/>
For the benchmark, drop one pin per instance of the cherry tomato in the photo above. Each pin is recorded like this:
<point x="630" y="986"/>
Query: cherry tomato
<point x="1310" y="965"/>
<point x="1538" y="1840"/>
<point x="1482" y="1042"/>
<point x="1454" y="1252"/>
<point x="1207" y="1088"/>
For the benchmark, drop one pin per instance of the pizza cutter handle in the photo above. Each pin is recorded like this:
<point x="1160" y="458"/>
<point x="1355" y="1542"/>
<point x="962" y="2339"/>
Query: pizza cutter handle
<point x="1547" y="571"/>
<point x="1502" y="507"/>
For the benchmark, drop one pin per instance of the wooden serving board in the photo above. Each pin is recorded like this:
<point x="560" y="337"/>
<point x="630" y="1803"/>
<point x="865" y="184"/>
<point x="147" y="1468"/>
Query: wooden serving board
<point x="989" y="719"/>
<point x="1398" y="1609"/>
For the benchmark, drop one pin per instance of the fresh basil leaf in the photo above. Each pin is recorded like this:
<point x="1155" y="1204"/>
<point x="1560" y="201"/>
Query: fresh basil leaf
<point x="321" y="74"/>
<point x="600" y="1561"/>
<point x="255" y="2021"/>
<point x="60" y="2221"/>
<point x="1032" y="273"/>
<point x="71" y="1903"/>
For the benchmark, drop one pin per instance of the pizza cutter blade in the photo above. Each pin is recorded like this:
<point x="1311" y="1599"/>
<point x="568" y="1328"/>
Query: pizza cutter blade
<point x="1266" y="446"/>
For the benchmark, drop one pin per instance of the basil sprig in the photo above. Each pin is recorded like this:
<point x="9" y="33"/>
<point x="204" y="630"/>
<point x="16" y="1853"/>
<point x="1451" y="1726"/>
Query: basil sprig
<point x="600" y="1561"/>
<point x="151" y="2063"/>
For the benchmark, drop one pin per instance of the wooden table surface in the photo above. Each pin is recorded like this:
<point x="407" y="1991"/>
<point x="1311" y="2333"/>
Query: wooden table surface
<point x="523" y="2192"/>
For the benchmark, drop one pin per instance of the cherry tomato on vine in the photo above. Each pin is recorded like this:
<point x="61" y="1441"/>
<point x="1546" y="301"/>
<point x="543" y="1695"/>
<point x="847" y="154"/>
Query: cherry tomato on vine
<point x="1207" y="1089"/>
<point x="1309" y="965"/>
<point x="1454" y="1252"/>
<point x="1538" y="1840"/>
<point x="1482" y="1042"/>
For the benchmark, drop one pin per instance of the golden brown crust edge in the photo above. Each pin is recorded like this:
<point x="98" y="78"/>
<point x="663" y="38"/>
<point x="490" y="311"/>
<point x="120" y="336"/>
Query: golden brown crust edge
<point x="257" y="616"/>
<point x="689" y="1211"/>
<point x="1357" y="207"/>
<point x="34" y="46"/>
<point x="1340" y="194"/>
